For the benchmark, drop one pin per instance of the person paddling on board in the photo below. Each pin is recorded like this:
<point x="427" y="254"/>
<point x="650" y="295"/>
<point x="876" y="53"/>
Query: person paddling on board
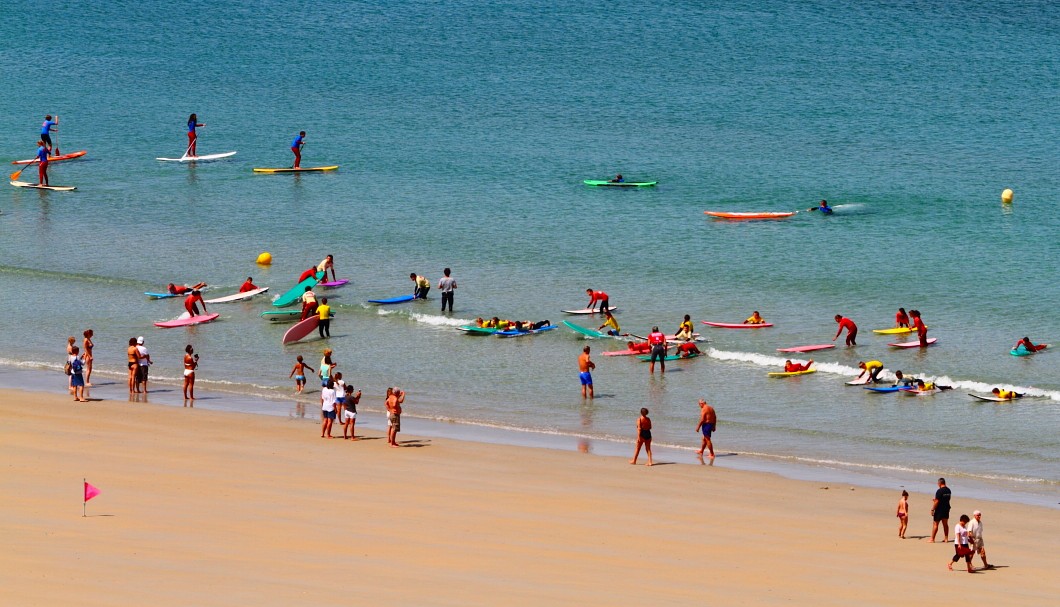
<point x="1006" y="394"/>
<point x="43" y="149"/>
<point x="45" y="131"/>
<point x="755" y="319"/>
<point x="598" y="296"/>
<point x="175" y="290"/>
<point x="790" y="367"/>
<point x="852" y="329"/>
<point x="618" y="179"/>
<point x="191" y="300"/>
<point x="248" y="285"/>
<point x="1026" y="344"/>
<point x="193" y="121"/>
<point x="296" y="148"/>
<point x="822" y="207"/>
<point x="901" y="319"/>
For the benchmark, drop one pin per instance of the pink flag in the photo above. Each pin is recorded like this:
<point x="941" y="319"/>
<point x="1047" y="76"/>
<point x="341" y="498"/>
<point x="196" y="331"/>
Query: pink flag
<point x="90" y="491"/>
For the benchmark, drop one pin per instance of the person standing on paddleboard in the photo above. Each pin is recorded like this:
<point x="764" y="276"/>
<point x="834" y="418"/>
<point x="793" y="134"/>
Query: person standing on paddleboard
<point x="193" y="121"/>
<point x="43" y="149"/>
<point x="296" y="148"/>
<point x="46" y="128"/>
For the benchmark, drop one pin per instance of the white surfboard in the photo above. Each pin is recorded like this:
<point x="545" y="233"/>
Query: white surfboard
<point x="237" y="296"/>
<point x="588" y="311"/>
<point x="56" y="188"/>
<point x="991" y="398"/>
<point x="859" y="381"/>
<point x="198" y="158"/>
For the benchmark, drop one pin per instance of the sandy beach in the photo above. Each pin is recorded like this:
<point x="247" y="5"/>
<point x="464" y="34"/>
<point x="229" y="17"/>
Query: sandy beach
<point x="216" y="508"/>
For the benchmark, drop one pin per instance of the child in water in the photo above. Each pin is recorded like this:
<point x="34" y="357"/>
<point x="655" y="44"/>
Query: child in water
<point x="298" y="373"/>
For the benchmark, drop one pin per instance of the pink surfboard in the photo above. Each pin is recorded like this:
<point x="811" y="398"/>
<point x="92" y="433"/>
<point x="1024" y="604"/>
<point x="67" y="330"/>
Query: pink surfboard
<point x="807" y="348"/>
<point x="301" y="329"/>
<point x="913" y="344"/>
<point x="187" y="321"/>
<point x="728" y="325"/>
<point x="624" y="353"/>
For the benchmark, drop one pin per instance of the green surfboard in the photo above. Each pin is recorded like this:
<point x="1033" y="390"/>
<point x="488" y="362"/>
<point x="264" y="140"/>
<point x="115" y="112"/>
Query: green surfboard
<point x="291" y="297"/>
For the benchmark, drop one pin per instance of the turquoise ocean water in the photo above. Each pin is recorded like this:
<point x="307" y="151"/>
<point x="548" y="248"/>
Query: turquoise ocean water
<point x="464" y="130"/>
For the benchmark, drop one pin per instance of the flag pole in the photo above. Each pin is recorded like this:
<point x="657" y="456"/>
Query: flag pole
<point x="84" y="502"/>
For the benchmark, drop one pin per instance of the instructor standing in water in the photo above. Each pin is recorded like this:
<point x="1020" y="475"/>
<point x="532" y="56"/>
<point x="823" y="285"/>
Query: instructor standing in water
<point x="193" y="121"/>
<point x="852" y="329"/>
<point x="296" y="148"/>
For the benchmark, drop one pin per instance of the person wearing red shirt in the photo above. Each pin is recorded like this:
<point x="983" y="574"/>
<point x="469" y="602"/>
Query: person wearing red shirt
<point x="688" y="350"/>
<point x="852" y="329"/>
<point x="901" y="319"/>
<point x="790" y="367"/>
<point x="657" y="340"/>
<point x="190" y="301"/>
<point x="921" y="328"/>
<point x="598" y="296"/>
<point x="311" y="272"/>
<point x="249" y="285"/>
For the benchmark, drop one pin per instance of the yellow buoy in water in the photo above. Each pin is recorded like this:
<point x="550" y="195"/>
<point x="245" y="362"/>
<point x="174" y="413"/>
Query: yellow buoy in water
<point x="1006" y="196"/>
<point x="265" y="258"/>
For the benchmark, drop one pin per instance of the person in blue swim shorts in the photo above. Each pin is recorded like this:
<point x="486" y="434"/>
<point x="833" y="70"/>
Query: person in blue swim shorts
<point x="708" y="421"/>
<point x="584" y="367"/>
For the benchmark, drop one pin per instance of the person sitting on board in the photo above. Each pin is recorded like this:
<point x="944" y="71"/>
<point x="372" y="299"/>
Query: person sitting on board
<point x="687" y="350"/>
<point x="822" y="207"/>
<point x="248" y="285"/>
<point x="1006" y="394"/>
<point x="325" y="265"/>
<point x="296" y="149"/>
<point x="191" y="300"/>
<point x="1026" y="344"/>
<point x="310" y="273"/>
<point x="639" y="347"/>
<point x="598" y="296"/>
<point x="755" y="319"/>
<point x="175" y="290"/>
<point x="901" y="319"/>
<point x="790" y="367"/>
<point x="423" y="286"/>
<point x="309" y="303"/>
<point x="872" y="368"/>
<point x="610" y="321"/>
<point x="618" y="179"/>
<point x="684" y="330"/>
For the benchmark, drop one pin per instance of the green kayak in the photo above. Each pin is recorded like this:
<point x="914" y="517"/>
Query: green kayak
<point x="624" y="184"/>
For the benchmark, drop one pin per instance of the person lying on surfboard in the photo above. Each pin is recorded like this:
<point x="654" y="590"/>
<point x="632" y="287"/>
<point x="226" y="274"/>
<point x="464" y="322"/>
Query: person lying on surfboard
<point x="525" y="326"/>
<point x="822" y="207"/>
<point x="927" y="386"/>
<point x="755" y="319"/>
<point x="642" y="347"/>
<point x="1026" y="344"/>
<point x="1006" y="394"/>
<point x="618" y="179"/>
<point x="175" y="290"/>
<point x="790" y="367"/>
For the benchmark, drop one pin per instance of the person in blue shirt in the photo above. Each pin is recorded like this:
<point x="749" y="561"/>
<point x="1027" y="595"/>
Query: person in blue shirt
<point x="43" y="149"/>
<point x="193" y="121"/>
<point x="296" y="147"/>
<point x="46" y="128"/>
<point x="618" y="179"/>
<point x="823" y="208"/>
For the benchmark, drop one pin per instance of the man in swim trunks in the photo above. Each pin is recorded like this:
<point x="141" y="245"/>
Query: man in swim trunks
<point x="296" y="148"/>
<point x="393" y="408"/>
<point x="143" y="361"/>
<point x="584" y="367"/>
<point x="873" y="368"/>
<point x="658" y="349"/>
<point x="708" y="421"/>
<point x="598" y="296"/>
<point x="191" y="300"/>
<point x="611" y="324"/>
<point x="423" y="286"/>
<point x="852" y="329"/>
<point x="248" y="285"/>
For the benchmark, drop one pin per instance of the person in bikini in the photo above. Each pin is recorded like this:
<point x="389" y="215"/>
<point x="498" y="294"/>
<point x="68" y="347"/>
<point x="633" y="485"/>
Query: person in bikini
<point x="643" y="437"/>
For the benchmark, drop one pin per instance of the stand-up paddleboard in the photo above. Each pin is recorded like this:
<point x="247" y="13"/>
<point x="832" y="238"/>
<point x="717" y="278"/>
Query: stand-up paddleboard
<point x="587" y="331"/>
<point x="302" y="329"/>
<point x="894" y="331"/>
<point x="588" y="311"/>
<point x="732" y="325"/>
<point x="160" y="295"/>
<point x="993" y="399"/>
<point x="186" y="321"/>
<point x="392" y="300"/>
<point x="473" y="330"/>
<point x="813" y="348"/>
<point x="791" y="373"/>
<point x="282" y="315"/>
<point x="913" y="344"/>
<point x="514" y="333"/>
<point x="298" y="170"/>
<point x="203" y="158"/>
<point x="238" y="296"/>
<point x="720" y="215"/>
<point x="59" y="158"/>
<point x="1021" y="351"/>
<point x="333" y="284"/>
<point x="624" y="184"/>
<point x="55" y="188"/>
<point x="290" y="297"/>
<point x="887" y="389"/>
<point x="668" y="357"/>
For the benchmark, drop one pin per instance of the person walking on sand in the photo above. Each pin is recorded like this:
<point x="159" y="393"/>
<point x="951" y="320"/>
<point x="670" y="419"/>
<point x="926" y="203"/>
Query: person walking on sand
<point x="86" y="355"/>
<point x="327" y="408"/>
<point x="298" y="373"/>
<point x="852" y="329"/>
<point x="143" y="361"/>
<point x="940" y="511"/>
<point x="975" y="537"/>
<point x="643" y="437"/>
<point x="393" y="410"/>
<point x="708" y="421"/>
<point x="961" y="549"/>
<point x="585" y="367"/>
<point x="77" y="377"/>
<point x="191" y="362"/>
<point x="446" y="285"/>
<point x="657" y="341"/>
<point x="903" y="514"/>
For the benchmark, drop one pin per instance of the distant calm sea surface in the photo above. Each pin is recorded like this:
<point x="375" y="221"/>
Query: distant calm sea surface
<point x="464" y="130"/>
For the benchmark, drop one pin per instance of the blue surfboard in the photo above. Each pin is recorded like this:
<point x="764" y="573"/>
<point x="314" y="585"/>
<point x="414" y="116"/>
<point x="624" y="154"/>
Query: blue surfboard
<point x="514" y="333"/>
<point x="887" y="389"/>
<point x="160" y="295"/>
<point x="393" y="300"/>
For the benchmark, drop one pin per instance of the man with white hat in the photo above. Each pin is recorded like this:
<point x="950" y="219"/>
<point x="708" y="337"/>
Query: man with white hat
<point x="143" y="359"/>
<point x="975" y="533"/>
